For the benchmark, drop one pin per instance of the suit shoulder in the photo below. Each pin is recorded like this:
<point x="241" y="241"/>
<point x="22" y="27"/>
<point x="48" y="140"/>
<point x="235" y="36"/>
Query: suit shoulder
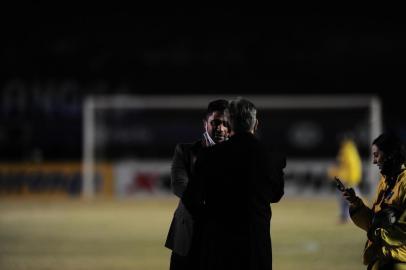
<point x="278" y="159"/>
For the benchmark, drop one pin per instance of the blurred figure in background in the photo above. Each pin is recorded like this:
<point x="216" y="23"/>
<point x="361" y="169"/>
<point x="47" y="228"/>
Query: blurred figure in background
<point x="180" y="234"/>
<point x="229" y="196"/>
<point x="385" y="221"/>
<point x="348" y="169"/>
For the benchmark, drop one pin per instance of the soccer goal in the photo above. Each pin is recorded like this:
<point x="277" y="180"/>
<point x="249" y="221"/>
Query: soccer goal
<point x="136" y="137"/>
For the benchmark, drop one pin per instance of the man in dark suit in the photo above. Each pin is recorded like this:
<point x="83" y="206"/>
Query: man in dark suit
<point x="181" y="230"/>
<point x="230" y="194"/>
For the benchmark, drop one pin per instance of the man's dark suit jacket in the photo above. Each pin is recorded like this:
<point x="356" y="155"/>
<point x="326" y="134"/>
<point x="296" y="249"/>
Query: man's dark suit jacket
<point x="181" y="230"/>
<point x="230" y="197"/>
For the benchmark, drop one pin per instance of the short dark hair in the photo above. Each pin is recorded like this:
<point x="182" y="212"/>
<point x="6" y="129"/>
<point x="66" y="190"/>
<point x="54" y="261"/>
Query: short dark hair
<point x="391" y="145"/>
<point x="218" y="105"/>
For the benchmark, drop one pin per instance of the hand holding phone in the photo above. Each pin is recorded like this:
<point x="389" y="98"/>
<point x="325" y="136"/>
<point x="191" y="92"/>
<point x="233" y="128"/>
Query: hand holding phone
<point x="340" y="185"/>
<point x="348" y="193"/>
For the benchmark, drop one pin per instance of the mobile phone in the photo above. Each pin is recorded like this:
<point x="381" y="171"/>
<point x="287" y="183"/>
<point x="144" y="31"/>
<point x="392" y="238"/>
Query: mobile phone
<point x="340" y="185"/>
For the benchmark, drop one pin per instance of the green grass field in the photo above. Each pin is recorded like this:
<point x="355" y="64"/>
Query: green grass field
<point x="41" y="234"/>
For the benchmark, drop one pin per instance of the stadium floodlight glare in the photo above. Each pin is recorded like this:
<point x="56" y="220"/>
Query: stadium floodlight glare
<point x="93" y="104"/>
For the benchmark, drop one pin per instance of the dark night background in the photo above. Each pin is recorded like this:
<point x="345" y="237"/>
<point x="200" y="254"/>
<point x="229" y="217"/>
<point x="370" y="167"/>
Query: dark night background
<point x="52" y="59"/>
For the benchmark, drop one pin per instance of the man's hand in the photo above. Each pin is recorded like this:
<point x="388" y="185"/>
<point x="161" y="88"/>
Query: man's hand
<point x="351" y="197"/>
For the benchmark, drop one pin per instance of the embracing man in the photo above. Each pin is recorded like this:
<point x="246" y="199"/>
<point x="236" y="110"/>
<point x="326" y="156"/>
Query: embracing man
<point x="182" y="227"/>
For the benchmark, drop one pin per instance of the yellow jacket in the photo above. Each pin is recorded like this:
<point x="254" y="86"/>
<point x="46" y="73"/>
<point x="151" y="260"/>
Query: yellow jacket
<point x="349" y="165"/>
<point x="391" y="241"/>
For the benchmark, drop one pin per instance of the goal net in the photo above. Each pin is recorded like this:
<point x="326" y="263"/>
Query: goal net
<point x="136" y="137"/>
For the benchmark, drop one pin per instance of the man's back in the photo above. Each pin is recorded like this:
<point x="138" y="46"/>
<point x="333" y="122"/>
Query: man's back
<point x="238" y="181"/>
<point x="236" y="185"/>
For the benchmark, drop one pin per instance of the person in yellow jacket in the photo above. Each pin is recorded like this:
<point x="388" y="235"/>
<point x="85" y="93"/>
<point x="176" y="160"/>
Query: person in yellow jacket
<point x="349" y="169"/>
<point x="385" y="221"/>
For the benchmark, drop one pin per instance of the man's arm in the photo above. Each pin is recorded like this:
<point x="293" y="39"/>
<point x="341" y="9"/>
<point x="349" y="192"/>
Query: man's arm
<point x="273" y="179"/>
<point x="179" y="174"/>
<point x="193" y="197"/>
<point x="360" y="214"/>
<point x="277" y="178"/>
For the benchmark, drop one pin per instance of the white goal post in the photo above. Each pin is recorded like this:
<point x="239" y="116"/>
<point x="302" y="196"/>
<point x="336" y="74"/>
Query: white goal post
<point x="93" y="103"/>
